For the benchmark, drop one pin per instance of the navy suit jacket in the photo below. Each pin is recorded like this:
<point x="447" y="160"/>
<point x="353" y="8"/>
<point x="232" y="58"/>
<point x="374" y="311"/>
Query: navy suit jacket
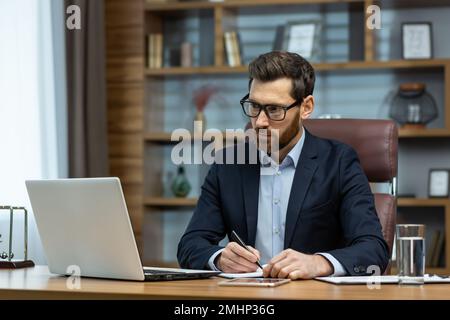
<point x="331" y="209"/>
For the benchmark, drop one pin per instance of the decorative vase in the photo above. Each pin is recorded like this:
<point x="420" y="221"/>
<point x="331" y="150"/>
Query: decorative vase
<point x="412" y="106"/>
<point x="180" y="185"/>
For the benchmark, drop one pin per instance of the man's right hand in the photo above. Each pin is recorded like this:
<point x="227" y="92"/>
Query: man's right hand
<point x="236" y="259"/>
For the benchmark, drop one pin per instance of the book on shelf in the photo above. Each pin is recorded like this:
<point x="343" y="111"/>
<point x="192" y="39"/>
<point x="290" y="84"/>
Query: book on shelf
<point x="431" y="248"/>
<point x="435" y="249"/>
<point x="232" y="48"/>
<point x="238" y="48"/>
<point x="154" y="50"/>
<point x="148" y="60"/>
<point x="229" y="48"/>
<point x="186" y="54"/>
<point x="159" y="50"/>
<point x="438" y="250"/>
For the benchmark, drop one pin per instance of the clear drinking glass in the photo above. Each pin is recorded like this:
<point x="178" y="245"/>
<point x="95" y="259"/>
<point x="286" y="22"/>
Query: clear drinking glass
<point x="410" y="253"/>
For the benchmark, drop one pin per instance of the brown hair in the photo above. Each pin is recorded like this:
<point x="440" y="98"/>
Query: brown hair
<point x="279" y="64"/>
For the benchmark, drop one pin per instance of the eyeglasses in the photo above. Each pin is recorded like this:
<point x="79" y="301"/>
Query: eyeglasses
<point x="273" y="112"/>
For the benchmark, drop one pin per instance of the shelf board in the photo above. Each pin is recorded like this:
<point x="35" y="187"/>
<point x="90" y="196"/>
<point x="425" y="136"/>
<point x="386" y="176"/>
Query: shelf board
<point x="423" y="202"/>
<point x="423" y="133"/>
<point x="320" y="67"/>
<point x="199" y="5"/>
<point x="402" y="202"/>
<point x="170" y="202"/>
<point x="160" y="137"/>
<point x="178" y="6"/>
<point x="179" y="71"/>
<point x="433" y="270"/>
<point x="164" y="137"/>
<point x="436" y="270"/>
<point x="398" y="4"/>
<point x="392" y="64"/>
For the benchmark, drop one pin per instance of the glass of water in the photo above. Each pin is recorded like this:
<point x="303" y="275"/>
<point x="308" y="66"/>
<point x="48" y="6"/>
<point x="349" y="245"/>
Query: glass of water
<point x="410" y="253"/>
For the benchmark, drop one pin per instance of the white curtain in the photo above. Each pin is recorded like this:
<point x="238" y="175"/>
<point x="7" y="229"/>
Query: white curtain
<point x="32" y="108"/>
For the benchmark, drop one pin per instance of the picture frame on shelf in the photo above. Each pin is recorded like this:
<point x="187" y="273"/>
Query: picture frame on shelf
<point x="439" y="183"/>
<point x="417" y="40"/>
<point x="303" y="37"/>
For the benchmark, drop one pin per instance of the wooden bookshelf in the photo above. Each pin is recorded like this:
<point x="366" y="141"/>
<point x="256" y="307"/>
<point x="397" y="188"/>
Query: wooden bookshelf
<point x="424" y="133"/>
<point x="431" y="203"/>
<point x="429" y="270"/>
<point x="159" y="137"/>
<point x="170" y="202"/>
<point x="189" y="71"/>
<point x="423" y="202"/>
<point x="402" y="202"/>
<point x="321" y="67"/>
<point x="199" y="5"/>
<point x="165" y="137"/>
<point x="136" y="123"/>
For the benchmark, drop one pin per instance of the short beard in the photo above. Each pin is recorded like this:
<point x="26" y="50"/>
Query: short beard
<point x="291" y="132"/>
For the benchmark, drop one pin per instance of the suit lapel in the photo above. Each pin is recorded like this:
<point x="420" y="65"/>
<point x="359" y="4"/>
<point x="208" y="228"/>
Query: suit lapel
<point x="304" y="173"/>
<point x="250" y="177"/>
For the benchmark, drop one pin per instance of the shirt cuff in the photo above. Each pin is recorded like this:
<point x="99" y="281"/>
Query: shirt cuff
<point x="211" y="264"/>
<point x="337" y="266"/>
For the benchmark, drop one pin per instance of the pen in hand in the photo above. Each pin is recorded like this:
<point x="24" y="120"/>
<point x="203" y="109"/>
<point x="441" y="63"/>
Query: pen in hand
<point x="239" y="241"/>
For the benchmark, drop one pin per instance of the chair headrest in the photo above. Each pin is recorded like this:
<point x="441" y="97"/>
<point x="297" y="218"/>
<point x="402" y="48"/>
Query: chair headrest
<point x="375" y="142"/>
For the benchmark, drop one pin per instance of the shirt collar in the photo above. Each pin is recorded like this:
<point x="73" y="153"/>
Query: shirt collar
<point x="295" y="152"/>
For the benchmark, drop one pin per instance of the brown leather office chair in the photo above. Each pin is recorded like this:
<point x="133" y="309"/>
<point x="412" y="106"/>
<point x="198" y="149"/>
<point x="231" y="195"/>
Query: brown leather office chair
<point x="376" y="143"/>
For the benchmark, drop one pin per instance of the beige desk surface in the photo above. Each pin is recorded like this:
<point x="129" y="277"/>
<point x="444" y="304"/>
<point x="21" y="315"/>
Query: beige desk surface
<point x="38" y="283"/>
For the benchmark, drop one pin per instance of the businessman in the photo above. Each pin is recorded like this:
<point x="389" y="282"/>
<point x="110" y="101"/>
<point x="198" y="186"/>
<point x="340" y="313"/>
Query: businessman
<point x="314" y="216"/>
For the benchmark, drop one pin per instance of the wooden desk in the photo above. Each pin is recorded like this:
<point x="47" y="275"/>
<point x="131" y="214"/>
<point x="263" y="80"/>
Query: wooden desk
<point x="38" y="283"/>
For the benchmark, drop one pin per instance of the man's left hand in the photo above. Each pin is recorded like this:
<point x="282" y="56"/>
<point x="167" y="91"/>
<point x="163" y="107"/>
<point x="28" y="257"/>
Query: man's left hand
<point x="296" y="265"/>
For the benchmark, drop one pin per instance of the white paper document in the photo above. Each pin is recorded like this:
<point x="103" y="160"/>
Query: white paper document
<point x="257" y="274"/>
<point x="379" y="279"/>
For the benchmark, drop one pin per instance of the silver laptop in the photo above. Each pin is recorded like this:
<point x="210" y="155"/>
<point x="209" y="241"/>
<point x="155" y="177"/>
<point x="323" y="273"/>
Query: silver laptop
<point x="84" y="225"/>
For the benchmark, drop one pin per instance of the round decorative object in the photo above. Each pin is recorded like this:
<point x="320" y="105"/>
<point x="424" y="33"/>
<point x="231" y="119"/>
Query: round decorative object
<point x="180" y="185"/>
<point x="413" y="106"/>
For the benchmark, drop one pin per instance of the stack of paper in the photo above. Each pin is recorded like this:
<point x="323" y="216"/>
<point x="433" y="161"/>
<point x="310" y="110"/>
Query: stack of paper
<point x="380" y="279"/>
<point x="257" y="274"/>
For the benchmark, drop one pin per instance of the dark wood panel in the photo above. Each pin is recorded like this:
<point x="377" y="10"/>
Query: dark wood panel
<point x="126" y="145"/>
<point x="129" y="170"/>
<point x="126" y="120"/>
<point x="125" y="68"/>
<point x="125" y="108"/>
<point x="122" y="13"/>
<point x="125" y="94"/>
<point x="124" y="22"/>
<point x="125" y="41"/>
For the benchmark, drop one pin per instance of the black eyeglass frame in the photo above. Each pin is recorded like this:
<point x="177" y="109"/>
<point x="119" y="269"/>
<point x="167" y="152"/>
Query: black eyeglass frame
<point x="264" y="107"/>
